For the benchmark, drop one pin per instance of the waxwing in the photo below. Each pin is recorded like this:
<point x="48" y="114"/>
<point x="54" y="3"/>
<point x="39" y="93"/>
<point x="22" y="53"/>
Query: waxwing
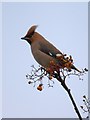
<point x="45" y="53"/>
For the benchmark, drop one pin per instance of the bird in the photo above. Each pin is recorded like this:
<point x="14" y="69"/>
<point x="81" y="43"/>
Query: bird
<point x="45" y="53"/>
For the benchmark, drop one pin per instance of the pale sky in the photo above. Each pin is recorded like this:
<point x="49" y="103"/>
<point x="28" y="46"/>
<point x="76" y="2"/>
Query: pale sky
<point x="63" y="24"/>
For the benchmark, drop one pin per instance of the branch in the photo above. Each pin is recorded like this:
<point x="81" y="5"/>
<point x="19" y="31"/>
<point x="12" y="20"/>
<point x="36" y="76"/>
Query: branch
<point x="86" y="106"/>
<point x="70" y="95"/>
<point x="59" y="74"/>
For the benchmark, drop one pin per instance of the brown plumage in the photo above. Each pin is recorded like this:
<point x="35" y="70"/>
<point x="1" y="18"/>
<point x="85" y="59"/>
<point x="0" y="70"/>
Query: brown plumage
<point x="43" y="51"/>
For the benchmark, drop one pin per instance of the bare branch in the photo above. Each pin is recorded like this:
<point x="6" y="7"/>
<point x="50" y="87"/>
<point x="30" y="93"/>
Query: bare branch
<point x="54" y="71"/>
<point x="86" y="106"/>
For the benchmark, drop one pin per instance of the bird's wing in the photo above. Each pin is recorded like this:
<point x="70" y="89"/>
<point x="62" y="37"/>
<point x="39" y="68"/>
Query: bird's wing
<point x="52" y="51"/>
<point x="49" y="49"/>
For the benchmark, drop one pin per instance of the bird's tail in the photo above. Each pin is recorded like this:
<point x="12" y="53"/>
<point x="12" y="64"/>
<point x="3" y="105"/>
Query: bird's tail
<point x="73" y="67"/>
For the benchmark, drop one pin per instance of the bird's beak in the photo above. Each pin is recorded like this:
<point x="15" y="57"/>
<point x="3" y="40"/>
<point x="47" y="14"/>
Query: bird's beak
<point x="23" y="38"/>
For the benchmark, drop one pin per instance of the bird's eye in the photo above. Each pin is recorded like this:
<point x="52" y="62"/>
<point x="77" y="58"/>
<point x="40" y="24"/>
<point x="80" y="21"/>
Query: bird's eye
<point x="30" y="36"/>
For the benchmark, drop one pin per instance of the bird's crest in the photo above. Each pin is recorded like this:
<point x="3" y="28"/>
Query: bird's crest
<point x="31" y="30"/>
